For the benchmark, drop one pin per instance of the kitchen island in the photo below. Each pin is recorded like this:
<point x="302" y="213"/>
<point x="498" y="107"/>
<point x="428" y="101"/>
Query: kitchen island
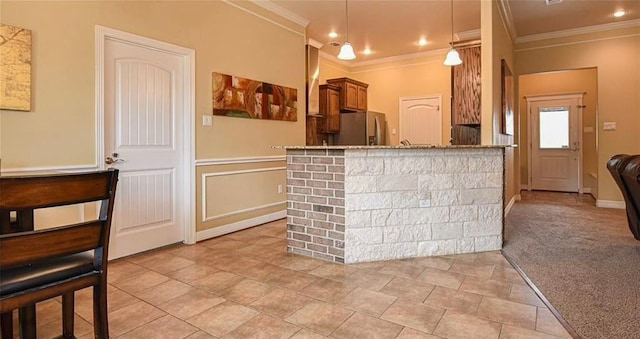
<point x="365" y="203"/>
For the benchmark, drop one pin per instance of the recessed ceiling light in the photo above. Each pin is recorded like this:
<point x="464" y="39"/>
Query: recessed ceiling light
<point x="422" y="42"/>
<point x="619" y="13"/>
<point x="366" y="51"/>
<point x="552" y="2"/>
<point x="333" y="34"/>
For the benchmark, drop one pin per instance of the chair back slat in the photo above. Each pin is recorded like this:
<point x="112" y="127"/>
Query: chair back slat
<point x="19" y="248"/>
<point x="53" y="190"/>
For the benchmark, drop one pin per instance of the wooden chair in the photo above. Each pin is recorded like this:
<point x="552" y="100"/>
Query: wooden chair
<point x="42" y="264"/>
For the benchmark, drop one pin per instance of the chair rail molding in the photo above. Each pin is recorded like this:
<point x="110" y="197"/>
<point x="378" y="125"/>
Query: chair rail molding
<point x="64" y="169"/>
<point x="239" y="160"/>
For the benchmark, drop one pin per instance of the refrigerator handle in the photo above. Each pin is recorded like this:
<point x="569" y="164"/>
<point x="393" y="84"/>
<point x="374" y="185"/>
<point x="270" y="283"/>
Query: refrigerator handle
<point x="378" y="131"/>
<point x="374" y="138"/>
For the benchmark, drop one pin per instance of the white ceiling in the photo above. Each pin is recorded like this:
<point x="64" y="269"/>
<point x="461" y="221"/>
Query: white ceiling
<point x="392" y="27"/>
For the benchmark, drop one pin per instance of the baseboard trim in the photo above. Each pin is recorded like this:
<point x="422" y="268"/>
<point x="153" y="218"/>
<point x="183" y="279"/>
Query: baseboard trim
<point x="610" y="204"/>
<point x="544" y="299"/>
<point x="240" y="225"/>
<point x="513" y="200"/>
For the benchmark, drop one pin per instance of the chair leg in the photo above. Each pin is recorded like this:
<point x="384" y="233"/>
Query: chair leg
<point x="28" y="322"/>
<point x="68" y="315"/>
<point x="6" y="322"/>
<point x="100" y="321"/>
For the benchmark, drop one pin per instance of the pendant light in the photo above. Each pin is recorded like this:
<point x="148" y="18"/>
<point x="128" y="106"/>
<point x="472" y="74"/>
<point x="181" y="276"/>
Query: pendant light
<point x="346" y="51"/>
<point x="452" y="58"/>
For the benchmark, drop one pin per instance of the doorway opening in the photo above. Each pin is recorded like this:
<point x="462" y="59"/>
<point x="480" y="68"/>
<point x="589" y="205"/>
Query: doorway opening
<point x="563" y="107"/>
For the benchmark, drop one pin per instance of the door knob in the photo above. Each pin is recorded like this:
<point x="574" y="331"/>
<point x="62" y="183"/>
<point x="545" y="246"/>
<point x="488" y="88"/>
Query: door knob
<point x="112" y="159"/>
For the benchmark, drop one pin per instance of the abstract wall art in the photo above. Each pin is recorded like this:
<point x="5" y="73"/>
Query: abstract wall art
<point x="15" y="68"/>
<point x="245" y="98"/>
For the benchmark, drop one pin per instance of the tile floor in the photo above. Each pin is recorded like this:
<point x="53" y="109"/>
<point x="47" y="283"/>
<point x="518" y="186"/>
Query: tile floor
<point x="245" y="285"/>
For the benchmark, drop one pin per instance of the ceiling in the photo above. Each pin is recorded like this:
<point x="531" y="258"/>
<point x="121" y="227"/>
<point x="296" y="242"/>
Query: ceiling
<point x="392" y="27"/>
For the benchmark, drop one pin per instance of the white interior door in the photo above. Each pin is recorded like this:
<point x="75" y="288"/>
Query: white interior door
<point x="421" y="120"/>
<point x="144" y="123"/>
<point x="555" y="145"/>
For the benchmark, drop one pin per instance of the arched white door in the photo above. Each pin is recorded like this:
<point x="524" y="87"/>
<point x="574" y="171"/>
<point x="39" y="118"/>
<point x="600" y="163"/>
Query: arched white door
<point x="421" y="120"/>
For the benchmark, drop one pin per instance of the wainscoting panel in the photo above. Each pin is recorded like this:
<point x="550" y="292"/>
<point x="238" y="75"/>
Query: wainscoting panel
<point x="236" y="193"/>
<point x="228" y="199"/>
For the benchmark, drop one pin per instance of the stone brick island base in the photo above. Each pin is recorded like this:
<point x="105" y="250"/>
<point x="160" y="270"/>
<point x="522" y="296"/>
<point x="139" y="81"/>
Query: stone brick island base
<point x="365" y="203"/>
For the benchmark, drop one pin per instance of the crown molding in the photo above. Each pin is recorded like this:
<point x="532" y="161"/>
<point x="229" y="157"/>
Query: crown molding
<point x="270" y="6"/>
<point x="314" y="43"/>
<point x="468" y="35"/>
<point x="507" y="19"/>
<point x="578" y="31"/>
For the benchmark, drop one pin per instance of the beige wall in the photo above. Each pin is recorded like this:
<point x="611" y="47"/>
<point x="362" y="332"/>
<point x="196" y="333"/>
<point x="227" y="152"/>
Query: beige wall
<point x="616" y="56"/>
<point x="390" y="81"/>
<point x="582" y="80"/>
<point x="227" y="37"/>
<point x="497" y="45"/>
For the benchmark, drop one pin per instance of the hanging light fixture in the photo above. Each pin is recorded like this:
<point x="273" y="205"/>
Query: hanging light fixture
<point x="346" y="51"/>
<point x="452" y="58"/>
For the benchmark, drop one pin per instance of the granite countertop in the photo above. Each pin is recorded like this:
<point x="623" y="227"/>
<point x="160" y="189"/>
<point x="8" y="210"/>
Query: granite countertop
<point x="394" y="147"/>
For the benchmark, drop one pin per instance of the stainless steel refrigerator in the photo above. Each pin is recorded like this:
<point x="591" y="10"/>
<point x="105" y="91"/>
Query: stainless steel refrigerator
<point x="361" y="128"/>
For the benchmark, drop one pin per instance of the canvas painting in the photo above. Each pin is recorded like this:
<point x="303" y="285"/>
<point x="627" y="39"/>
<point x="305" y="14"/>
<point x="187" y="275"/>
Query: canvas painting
<point x="15" y="68"/>
<point x="245" y="98"/>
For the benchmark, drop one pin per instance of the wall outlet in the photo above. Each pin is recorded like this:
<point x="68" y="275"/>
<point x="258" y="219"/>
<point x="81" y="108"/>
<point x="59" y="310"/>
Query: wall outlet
<point x="279" y="189"/>
<point x="207" y="120"/>
<point x="609" y="126"/>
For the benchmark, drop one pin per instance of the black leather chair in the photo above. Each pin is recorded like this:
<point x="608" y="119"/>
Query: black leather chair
<point x="625" y="170"/>
<point x="36" y="265"/>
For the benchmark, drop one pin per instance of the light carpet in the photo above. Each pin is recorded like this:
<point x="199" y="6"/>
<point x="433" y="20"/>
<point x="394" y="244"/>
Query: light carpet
<point x="584" y="260"/>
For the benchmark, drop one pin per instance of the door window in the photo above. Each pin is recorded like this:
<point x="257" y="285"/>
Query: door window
<point x="554" y="127"/>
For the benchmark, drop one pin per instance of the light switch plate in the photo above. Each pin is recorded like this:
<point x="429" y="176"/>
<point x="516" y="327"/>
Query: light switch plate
<point x="609" y="126"/>
<point x="207" y="120"/>
<point x="588" y="129"/>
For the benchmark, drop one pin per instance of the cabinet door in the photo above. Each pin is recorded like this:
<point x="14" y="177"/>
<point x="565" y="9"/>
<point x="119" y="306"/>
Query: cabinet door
<point x="333" y="112"/>
<point x="312" y="132"/>
<point x="351" y="96"/>
<point x="362" y="98"/>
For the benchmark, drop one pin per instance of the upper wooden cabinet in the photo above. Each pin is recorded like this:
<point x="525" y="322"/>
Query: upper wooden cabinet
<point x="353" y="94"/>
<point x="466" y="87"/>
<point x="330" y="108"/>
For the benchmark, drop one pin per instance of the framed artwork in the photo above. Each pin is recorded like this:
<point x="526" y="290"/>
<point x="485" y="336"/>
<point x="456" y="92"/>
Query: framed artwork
<point x="245" y="98"/>
<point x="15" y="68"/>
<point x="507" y="99"/>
